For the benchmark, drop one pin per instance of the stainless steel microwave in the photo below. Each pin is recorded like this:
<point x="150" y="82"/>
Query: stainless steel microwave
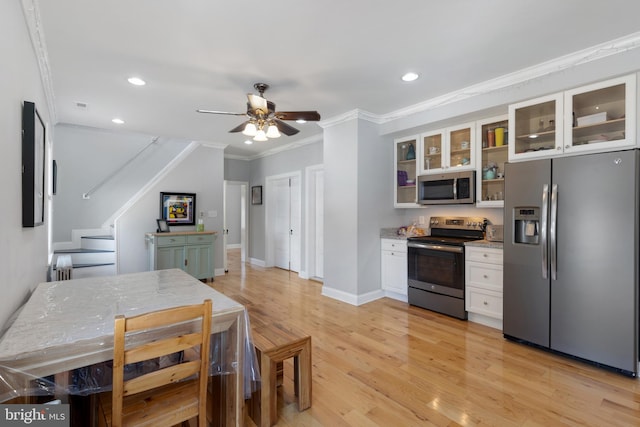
<point x="447" y="188"/>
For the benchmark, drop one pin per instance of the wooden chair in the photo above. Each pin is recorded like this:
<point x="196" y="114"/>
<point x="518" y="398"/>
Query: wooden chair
<point x="166" y="396"/>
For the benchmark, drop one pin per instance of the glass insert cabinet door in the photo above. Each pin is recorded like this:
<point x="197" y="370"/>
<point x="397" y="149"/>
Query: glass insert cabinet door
<point x="535" y="127"/>
<point x="406" y="160"/>
<point x="460" y="147"/>
<point x="601" y="115"/>
<point x="493" y="136"/>
<point x="432" y="151"/>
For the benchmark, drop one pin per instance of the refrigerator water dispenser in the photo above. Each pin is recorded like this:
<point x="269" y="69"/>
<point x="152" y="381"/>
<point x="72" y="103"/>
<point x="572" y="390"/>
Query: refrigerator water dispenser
<point x="526" y="225"/>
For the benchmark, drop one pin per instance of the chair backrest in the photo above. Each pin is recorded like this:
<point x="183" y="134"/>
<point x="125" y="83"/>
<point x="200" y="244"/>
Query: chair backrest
<point x="173" y="338"/>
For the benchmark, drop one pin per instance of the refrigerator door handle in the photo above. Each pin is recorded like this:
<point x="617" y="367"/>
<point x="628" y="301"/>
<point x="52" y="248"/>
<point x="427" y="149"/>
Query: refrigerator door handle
<point x="543" y="230"/>
<point x="553" y="232"/>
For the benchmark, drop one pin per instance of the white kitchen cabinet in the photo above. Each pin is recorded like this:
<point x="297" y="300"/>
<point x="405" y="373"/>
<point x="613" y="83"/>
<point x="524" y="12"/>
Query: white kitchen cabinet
<point x="448" y="149"/>
<point x="490" y="187"/>
<point x="405" y="156"/>
<point x="594" y="118"/>
<point x="483" y="285"/>
<point x="189" y="251"/>
<point x="600" y="116"/>
<point x="394" y="268"/>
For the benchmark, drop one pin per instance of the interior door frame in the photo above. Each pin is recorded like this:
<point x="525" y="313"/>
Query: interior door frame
<point x="269" y="200"/>
<point x="311" y="198"/>
<point x="244" y="220"/>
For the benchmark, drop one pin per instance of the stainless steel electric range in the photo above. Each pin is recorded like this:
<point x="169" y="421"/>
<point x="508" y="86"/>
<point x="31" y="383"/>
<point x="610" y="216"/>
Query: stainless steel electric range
<point x="436" y="264"/>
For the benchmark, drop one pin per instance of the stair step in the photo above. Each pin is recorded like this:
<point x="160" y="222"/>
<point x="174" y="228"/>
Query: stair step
<point x="98" y="242"/>
<point x="85" y="256"/>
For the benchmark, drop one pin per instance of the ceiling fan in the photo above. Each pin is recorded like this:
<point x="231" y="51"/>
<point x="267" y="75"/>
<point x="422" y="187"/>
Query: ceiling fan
<point x="264" y="121"/>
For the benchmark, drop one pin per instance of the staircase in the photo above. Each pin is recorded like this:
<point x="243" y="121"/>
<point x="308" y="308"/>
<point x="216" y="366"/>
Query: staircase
<point x="95" y="257"/>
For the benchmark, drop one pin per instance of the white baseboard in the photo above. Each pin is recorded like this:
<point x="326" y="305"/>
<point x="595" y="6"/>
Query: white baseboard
<point x="351" y="298"/>
<point x="257" y="262"/>
<point x="485" y="320"/>
<point x="396" y="296"/>
<point x="234" y="246"/>
<point x="218" y="272"/>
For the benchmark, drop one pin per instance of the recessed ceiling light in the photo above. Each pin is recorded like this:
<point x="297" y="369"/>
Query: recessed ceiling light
<point x="118" y="121"/>
<point x="301" y="121"/>
<point x="248" y="142"/>
<point x="137" y="81"/>
<point x="409" y="77"/>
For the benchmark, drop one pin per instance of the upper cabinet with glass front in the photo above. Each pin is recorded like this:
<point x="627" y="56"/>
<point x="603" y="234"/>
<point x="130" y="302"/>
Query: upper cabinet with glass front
<point x="535" y="128"/>
<point x="405" y="160"/>
<point x="600" y="116"/>
<point x="597" y="117"/>
<point x="492" y="135"/>
<point x="448" y="149"/>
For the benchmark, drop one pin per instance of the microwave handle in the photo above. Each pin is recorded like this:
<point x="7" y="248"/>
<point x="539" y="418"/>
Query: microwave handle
<point x="455" y="188"/>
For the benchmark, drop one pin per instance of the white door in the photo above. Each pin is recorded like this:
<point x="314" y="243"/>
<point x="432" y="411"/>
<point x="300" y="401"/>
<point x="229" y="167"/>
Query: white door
<point x="284" y="208"/>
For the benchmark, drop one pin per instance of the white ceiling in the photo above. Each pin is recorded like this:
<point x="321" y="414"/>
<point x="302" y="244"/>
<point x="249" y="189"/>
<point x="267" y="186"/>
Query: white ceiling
<point x="332" y="56"/>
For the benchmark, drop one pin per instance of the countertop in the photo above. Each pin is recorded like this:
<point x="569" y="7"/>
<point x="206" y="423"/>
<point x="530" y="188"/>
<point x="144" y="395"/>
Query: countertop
<point x="485" y="244"/>
<point x="391" y="233"/>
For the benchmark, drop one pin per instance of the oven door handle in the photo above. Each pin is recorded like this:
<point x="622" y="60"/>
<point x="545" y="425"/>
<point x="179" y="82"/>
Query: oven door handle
<point x="442" y="248"/>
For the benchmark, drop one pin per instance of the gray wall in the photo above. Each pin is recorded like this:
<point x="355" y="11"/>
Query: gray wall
<point x="201" y="173"/>
<point x="237" y="170"/>
<point x="286" y="161"/>
<point x="24" y="252"/>
<point x="75" y="150"/>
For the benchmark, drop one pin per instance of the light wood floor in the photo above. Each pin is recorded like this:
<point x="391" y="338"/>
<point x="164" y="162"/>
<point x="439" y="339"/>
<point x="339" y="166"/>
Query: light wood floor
<point x="386" y="363"/>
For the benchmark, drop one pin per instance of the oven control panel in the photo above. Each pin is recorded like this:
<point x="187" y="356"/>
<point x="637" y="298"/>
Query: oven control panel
<point x="457" y="223"/>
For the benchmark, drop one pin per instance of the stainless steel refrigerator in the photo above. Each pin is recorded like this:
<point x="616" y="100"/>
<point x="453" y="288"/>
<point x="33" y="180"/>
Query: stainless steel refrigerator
<point x="571" y="256"/>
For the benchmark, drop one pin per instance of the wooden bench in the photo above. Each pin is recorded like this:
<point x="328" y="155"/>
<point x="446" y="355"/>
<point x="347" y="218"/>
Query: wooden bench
<point x="275" y="343"/>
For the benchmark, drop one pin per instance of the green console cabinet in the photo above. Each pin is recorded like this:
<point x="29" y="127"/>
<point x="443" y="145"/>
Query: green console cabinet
<point x="191" y="251"/>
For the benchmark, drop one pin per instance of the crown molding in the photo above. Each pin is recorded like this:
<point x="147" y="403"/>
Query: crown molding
<point x="279" y="149"/>
<point x="36" y="33"/>
<point x="208" y="144"/>
<point x="352" y="115"/>
<point x="520" y="77"/>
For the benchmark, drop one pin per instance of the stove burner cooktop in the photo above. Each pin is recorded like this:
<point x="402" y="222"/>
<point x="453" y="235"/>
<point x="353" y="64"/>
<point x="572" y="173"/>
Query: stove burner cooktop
<point x="453" y="231"/>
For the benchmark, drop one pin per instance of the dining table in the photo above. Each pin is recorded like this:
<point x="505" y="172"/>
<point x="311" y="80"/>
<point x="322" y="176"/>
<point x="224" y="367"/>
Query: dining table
<point x="60" y="342"/>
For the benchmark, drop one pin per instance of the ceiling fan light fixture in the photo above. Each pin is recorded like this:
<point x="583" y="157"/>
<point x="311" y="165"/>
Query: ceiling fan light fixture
<point x="272" y="131"/>
<point x="250" y="130"/>
<point x="260" y="136"/>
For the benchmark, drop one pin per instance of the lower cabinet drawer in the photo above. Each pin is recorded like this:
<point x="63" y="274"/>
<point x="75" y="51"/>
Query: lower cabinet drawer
<point x="170" y="240"/>
<point x="483" y="301"/>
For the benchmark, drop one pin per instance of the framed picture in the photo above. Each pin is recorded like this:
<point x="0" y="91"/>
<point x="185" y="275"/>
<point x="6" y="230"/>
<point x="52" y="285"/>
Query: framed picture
<point x="178" y="208"/>
<point x="163" y="227"/>
<point x="33" y="166"/>
<point x="256" y="195"/>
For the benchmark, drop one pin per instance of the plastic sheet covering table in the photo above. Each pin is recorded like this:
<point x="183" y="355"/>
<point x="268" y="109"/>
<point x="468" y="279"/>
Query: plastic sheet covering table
<point x="61" y="340"/>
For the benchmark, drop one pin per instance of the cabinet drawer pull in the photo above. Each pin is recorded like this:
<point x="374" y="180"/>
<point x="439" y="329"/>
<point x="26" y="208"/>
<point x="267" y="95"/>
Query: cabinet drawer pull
<point x="485" y="276"/>
<point x="486" y="303"/>
<point x="485" y="255"/>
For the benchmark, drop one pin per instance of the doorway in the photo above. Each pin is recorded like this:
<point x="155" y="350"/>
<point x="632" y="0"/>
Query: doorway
<point x="283" y="221"/>
<point x="236" y="194"/>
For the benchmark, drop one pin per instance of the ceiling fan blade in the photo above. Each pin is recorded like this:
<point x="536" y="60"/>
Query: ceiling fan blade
<point x="309" y="116"/>
<point x="257" y="103"/>
<point x="285" y="128"/>
<point x="239" y="128"/>
<point x="228" y="113"/>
